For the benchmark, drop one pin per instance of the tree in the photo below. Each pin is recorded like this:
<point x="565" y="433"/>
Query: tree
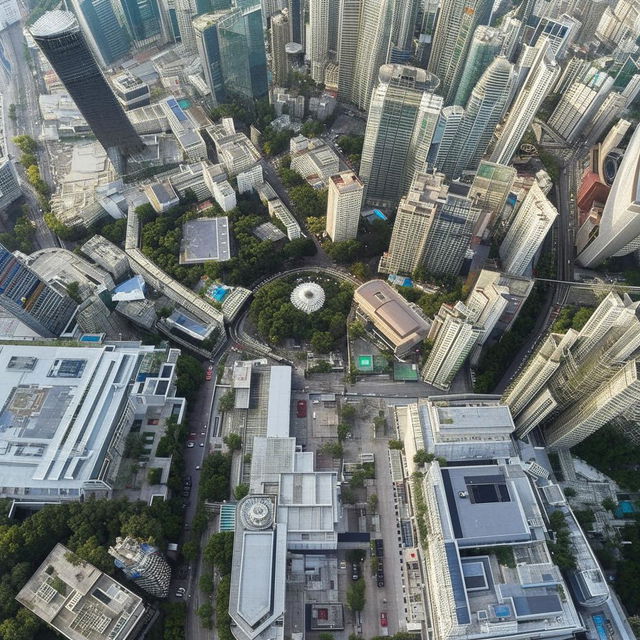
<point x="233" y="441"/>
<point x="344" y="252"/>
<point x="133" y="446"/>
<point x="317" y="224"/>
<point x="299" y="248"/>
<point x="241" y="491"/>
<point x="360" y="270"/>
<point x="570" y="493"/>
<point x="326" y="636"/>
<point x="356" y="330"/>
<point x="205" y="611"/>
<point x="348" y="413"/>
<point x="356" y="595"/>
<point x="421" y="457"/>
<point x="343" y="431"/>
<point x="322" y="341"/>
<point x="154" y="476"/>
<point x="396" y="444"/>
<point x="373" y="502"/>
<point x="312" y="129"/>
<point x="227" y="401"/>
<point x="189" y="377"/>
<point x="206" y="583"/>
<point x="73" y="291"/>
<point x="332" y="449"/>
<point x="609" y="504"/>
<point x="219" y="552"/>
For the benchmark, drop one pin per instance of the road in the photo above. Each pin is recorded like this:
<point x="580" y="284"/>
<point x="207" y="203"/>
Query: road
<point x="22" y="90"/>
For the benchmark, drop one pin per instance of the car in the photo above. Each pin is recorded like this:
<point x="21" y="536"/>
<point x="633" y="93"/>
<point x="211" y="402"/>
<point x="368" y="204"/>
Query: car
<point x="180" y="591"/>
<point x="192" y="435"/>
<point x="191" y="444"/>
<point x="380" y="581"/>
<point x="383" y="619"/>
<point x="198" y="467"/>
<point x="187" y="481"/>
<point x="202" y="444"/>
<point x="186" y="492"/>
<point x="208" y="376"/>
<point x="301" y="409"/>
<point x="355" y="571"/>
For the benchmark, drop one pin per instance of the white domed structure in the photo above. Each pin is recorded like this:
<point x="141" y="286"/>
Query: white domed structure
<point x="256" y="512"/>
<point x="308" y="297"/>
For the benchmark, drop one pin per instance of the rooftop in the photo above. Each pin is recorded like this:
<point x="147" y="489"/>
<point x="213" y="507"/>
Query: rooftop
<point x="205" y="239"/>
<point x="53" y="23"/>
<point x="80" y="601"/>
<point x="347" y="181"/>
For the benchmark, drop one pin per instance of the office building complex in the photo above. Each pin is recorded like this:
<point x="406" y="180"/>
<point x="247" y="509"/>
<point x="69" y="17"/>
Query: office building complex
<point x="618" y="23"/>
<point x="542" y="75"/>
<point x="79" y="601"/>
<point x="144" y="564"/>
<point x="58" y="35"/>
<point x="454" y="335"/>
<point x="9" y="185"/>
<point x="456" y="26"/>
<point x="527" y="231"/>
<point x="462" y="146"/>
<point x="397" y="323"/>
<point x="343" y="206"/>
<point x="485" y="45"/>
<point x="402" y="118"/>
<point x="230" y="43"/>
<point x="372" y="48"/>
<point x="432" y="229"/>
<point x="559" y="32"/>
<point x="580" y="103"/>
<point x="103" y="30"/>
<point x="618" y="233"/>
<point x="280" y="36"/>
<point x="25" y="295"/>
<point x="576" y="383"/>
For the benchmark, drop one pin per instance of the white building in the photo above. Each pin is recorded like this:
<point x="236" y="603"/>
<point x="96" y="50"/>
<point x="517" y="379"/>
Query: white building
<point x="619" y="230"/>
<point x="318" y="45"/>
<point x="343" y="206"/>
<point x="313" y="159"/>
<point x="455" y="335"/>
<point x="527" y="231"/>
<point x="224" y="195"/>
<point x="185" y="131"/>
<point x="106" y="255"/>
<point x="248" y="180"/>
<point x="539" y="81"/>
<point x="9" y="13"/>
<point x="278" y="210"/>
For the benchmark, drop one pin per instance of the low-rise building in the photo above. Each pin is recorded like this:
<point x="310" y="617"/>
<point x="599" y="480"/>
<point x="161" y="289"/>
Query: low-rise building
<point x="161" y="196"/>
<point x="248" y="180"/>
<point x="224" y="195"/>
<point x="80" y="601"/>
<point x="205" y="239"/>
<point x="130" y="91"/>
<point x="278" y="210"/>
<point x="313" y="159"/>
<point x="107" y="255"/>
<point x="392" y="318"/>
<point x="185" y="131"/>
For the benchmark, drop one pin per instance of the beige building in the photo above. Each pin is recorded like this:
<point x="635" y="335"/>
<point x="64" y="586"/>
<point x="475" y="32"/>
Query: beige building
<point x="343" y="206"/>
<point x="394" y="320"/>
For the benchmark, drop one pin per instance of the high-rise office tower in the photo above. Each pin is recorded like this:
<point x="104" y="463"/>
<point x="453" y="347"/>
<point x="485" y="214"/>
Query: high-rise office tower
<point x="485" y="46"/>
<point x="231" y="46"/>
<point x="296" y="18"/>
<point x="186" y="11"/>
<point x="344" y="204"/>
<point x="456" y="25"/>
<point x="372" y="50"/>
<point x="416" y="213"/>
<point x="455" y="335"/>
<point x="405" y="14"/>
<point x="490" y="189"/>
<point x="402" y="118"/>
<point x="280" y="36"/>
<point x="444" y="136"/>
<point x="318" y="49"/>
<point x="619" y="231"/>
<point x="23" y="294"/>
<point x="618" y="23"/>
<point x="484" y="110"/>
<point x="102" y="29"/>
<point x="143" y="20"/>
<point x="541" y="77"/>
<point x="9" y="184"/>
<point x="580" y="103"/>
<point x="560" y="33"/>
<point x="143" y="563"/>
<point x="348" y="31"/>
<point x="527" y="231"/>
<point x="58" y="35"/>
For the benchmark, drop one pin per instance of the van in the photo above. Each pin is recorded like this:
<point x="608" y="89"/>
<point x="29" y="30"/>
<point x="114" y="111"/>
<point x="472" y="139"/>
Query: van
<point x="314" y="415"/>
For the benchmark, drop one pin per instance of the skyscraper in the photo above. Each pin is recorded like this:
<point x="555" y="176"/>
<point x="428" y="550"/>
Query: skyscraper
<point x="484" y="110"/>
<point x="541" y="77"/>
<point x="23" y="294"/>
<point x="318" y="48"/>
<point x="372" y="50"/>
<point x="58" y="35"/>
<point x="405" y="14"/>
<point x="619" y="231"/>
<point x="344" y="204"/>
<point x="143" y="563"/>
<point x="103" y="30"/>
<point x="296" y="17"/>
<point x="186" y="11"/>
<point x="485" y="46"/>
<point x="455" y="335"/>
<point x="402" y="118"/>
<point x="559" y="32"/>
<point x="280" y="36"/>
<point x="432" y="229"/>
<point x="527" y="231"/>
<point x="456" y="25"/>
<point x="231" y="46"/>
<point x="348" y="30"/>
<point x="143" y="20"/>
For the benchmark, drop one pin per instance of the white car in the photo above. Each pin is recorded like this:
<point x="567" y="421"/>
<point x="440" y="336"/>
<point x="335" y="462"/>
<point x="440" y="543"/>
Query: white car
<point x="191" y="444"/>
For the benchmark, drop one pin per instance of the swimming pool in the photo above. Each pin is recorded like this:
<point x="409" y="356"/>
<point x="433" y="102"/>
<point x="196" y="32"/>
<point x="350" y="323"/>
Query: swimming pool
<point x="379" y="214"/>
<point x="599" y="622"/>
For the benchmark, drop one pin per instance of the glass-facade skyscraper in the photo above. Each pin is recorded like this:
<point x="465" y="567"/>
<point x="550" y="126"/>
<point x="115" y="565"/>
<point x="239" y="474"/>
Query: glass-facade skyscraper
<point x="143" y="19"/>
<point x="31" y="300"/>
<point x="58" y="35"/>
<point x="231" y="46"/>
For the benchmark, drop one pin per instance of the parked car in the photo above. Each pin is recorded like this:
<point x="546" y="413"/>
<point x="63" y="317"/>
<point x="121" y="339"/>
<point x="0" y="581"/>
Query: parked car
<point x="355" y="571"/>
<point x="301" y="409"/>
<point x="180" y="591"/>
<point x="383" y="619"/>
<point x="187" y="481"/>
<point x="191" y="444"/>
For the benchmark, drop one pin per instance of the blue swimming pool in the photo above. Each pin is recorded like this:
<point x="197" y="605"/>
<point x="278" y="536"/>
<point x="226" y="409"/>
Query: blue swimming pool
<point x="599" y="622"/>
<point x="91" y="337"/>
<point x="379" y="214"/>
